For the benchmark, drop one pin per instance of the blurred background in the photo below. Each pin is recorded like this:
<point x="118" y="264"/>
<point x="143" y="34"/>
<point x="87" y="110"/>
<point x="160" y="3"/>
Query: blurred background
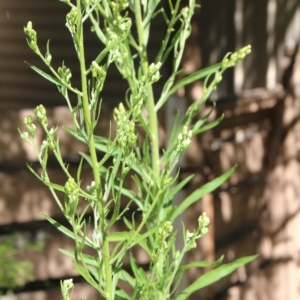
<point x="256" y="211"/>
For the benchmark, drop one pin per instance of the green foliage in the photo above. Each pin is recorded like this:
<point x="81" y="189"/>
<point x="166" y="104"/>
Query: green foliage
<point x="15" y="271"/>
<point x="152" y="173"/>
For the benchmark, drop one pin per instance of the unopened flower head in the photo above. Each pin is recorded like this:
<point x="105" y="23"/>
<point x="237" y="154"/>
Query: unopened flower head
<point x="70" y="186"/>
<point x="71" y="191"/>
<point x="189" y="235"/>
<point x="125" y="128"/>
<point x="30" y="126"/>
<point x="183" y="140"/>
<point x="98" y="71"/>
<point x="203" y="222"/>
<point x="153" y="73"/>
<point x="41" y="114"/>
<point x="65" y="74"/>
<point x="66" y="286"/>
<point x="31" y="37"/>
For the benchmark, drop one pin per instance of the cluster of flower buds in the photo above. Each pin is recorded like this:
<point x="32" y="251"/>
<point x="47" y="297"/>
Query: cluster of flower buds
<point x="166" y="230"/>
<point x="124" y="25"/>
<point x="126" y="135"/>
<point x="121" y="25"/>
<point x="71" y="21"/>
<point x="71" y="191"/>
<point x="65" y="74"/>
<point x="31" y="37"/>
<point x="41" y="115"/>
<point x="119" y="5"/>
<point x="235" y="57"/>
<point x="66" y="286"/>
<point x="163" y="233"/>
<point x="203" y="222"/>
<point x="202" y="230"/>
<point x="30" y="126"/>
<point x="153" y="74"/>
<point x="166" y="180"/>
<point x="98" y="71"/>
<point x="183" y="140"/>
<point x="138" y="101"/>
<point x="51" y="138"/>
<point x="111" y="35"/>
<point x="191" y="240"/>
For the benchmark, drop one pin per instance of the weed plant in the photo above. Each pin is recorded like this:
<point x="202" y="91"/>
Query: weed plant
<point x="151" y="170"/>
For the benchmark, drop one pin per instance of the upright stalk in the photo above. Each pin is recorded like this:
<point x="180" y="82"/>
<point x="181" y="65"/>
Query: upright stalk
<point x="92" y="150"/>
<point x="150" y="101"/>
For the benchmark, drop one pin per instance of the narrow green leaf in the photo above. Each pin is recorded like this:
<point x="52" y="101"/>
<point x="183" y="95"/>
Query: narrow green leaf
<point x="176" y="124"/>
<point x="209" y="126"/>
<point x="94" y="272"/>
<point x="66" y="231"/>
<point x="121" y="295"/>
<point x="127" y="223"/>
<point x="83" y="214"/>
<point x="116" y="212"/>
<point x="134" y="266"/>
<point x="112" y="176"/>
<point x="60" y="227"/>
<point x="127" y="278"/>
<point x="141" y="237"/>
<point x="118" y="236"/>
<point x="138" y="272"/>
<point x="116" y="249"/>
<point x="199" y="193"/>
<point x="88" y="259"/>
<point x="45" y="75"/>
<point x="79" y="170"/>
<point x="187" y="80"/>
<point x="33" y="171"/>
<point x="214" y="276"/>
<point x="55" y="186"/>
<point x="201" y="264"/>
<point x="176" y="189"/>
<point x="195" y="76"/>
<point x="75" y="134"/>
<point x="202" y="120"/>
<point x="86" y="275"/>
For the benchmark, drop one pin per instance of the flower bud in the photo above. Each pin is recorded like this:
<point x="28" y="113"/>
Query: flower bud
<point x="218" y="77"/>
<point x="40" y="113"/>
<point x="48" y="58"/>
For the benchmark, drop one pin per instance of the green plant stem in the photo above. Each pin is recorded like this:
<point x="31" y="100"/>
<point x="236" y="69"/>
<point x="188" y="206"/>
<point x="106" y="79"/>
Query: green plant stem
<point x="92" y="149"/>
<point x="150" y="102"/>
